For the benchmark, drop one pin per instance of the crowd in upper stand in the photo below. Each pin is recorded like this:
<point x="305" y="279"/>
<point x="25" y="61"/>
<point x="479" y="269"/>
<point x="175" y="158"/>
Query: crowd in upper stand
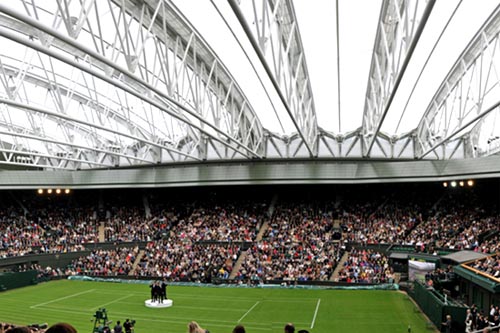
<point x="106" y="262"/>
<point x="366" y="266"/>
<point x="185" y="261"/>
<point x="199" y="238"/>
<point x="297" y="245"/>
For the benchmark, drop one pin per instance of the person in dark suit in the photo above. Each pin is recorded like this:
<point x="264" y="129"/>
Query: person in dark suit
<point x="128" y="326"/>
<point x="163" y="286"/>
<point x="152" y="287"/>
<point x="447" y="324"/>
<point x="118" y="328"/>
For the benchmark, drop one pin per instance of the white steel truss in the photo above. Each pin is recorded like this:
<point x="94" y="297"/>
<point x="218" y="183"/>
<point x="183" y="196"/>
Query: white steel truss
<point x="400" y="24"/>
<point x="274" y="34"/>
<point x="148" y="76"/>
<point x="469" y="96"/>
<point x="123" y="83"/>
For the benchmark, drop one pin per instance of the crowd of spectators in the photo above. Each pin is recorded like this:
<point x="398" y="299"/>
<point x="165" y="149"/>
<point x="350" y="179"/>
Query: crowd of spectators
<point x="105" y="262"/>
<point x="201" y="239"/>
<point x="489" y="266"/>
<point x="387" y="225"/>
<point x="366" y="266"/>
<point x="298" y="245"/>
<point x="38" y="227"/>
<point x="185" y="261"/>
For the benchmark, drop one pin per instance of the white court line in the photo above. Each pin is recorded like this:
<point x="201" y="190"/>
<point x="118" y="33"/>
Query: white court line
<point x="248" y="311"/>
<point x="116" y="300"/>
<point x="315" y="313"/>
<point x="126" y="314"/>
<point x="62" y="298"/>
<point x="181" y="321"/>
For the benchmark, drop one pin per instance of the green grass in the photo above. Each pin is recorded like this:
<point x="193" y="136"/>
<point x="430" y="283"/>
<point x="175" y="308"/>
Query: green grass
<point x="217" y="309"/>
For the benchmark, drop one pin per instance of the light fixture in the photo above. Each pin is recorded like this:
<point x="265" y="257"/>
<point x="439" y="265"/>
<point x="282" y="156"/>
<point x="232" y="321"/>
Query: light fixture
<point x="58" y="191"/>
<point x="453" y="184"/>
<point x="66" y="191"/>
<point x="470" y="182"/>
<point x="445" y="184"/>
<point x="461" y="183"/>
<point x="49" y="191"/>
<point x="40" y="191"/>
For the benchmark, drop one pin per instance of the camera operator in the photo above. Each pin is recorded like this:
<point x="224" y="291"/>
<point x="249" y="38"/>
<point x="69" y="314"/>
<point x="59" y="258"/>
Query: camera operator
<point x="128" y="326"/>
<point x="118" y="328"/>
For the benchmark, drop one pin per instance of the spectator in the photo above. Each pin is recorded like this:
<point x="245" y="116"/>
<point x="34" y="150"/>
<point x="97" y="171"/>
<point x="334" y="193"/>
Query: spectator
<point x="239" y="329"/>
<point x="194" y="327"/>
<point x="61" y="328"/>
<point x="118" y="328"/>
<point x="19" y="329"/>
<point x="289" y="328"/>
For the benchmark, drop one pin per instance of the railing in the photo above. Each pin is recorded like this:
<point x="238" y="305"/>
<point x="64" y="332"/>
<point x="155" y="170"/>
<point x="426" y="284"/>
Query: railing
<point x="479" y="272"/>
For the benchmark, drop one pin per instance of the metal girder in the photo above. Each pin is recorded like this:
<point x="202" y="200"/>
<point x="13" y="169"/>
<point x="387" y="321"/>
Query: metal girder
<point x="65" y="149"/>
<point x="347" y="145"/>
<point x="400" y="25"/>
<point x="70" y="109"/>
<point x="85" y="102"/>
<point x="469" y="93"/>
<point x="26" y="82"/>
<point x="275" y="37"/>
<point x="114" y="148"/>
<point x="151" y="49"/>
<point x="193" y="74"/>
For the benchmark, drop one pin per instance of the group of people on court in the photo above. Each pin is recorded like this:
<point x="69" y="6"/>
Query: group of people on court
<point x="158" y="291"/>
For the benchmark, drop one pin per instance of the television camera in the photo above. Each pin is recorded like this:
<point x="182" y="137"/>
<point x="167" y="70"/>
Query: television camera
<point x="101" y="322"/>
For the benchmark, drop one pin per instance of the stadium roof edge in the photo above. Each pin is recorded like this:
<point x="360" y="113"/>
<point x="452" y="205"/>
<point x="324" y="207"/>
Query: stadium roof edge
<point x="258" y="173"/>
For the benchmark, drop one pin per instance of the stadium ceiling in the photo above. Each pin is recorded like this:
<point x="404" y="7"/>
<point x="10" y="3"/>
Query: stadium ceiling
<point x="91" y="84"/>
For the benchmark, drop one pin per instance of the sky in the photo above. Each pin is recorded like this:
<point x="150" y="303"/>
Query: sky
<point x="452" y="22"/>
<point x="357" y="30"/>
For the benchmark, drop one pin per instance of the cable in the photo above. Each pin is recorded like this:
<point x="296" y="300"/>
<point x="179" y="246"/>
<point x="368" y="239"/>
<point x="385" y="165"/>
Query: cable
<point x="425" y="64"/>
<point x="251" y="64"/>
<point x="338" y="58"/>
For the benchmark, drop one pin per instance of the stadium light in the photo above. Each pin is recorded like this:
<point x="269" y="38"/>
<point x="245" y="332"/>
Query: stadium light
<point x="49" y="191"/>
<point x="40" y="191"/>
<point x="445" y="184"/>
<point x="470" y="183"/>
<point x="58" y="191"/>
<point x="453" y="184"/>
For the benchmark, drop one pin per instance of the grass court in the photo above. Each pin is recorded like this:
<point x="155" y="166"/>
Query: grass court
<point x="216" y="309"/>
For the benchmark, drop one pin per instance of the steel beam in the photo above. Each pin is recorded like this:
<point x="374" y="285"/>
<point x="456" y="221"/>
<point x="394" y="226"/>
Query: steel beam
<point x="276" y="41"/>
<point x="470" y="92"/>
<point x="215" y="90"/>
<point x="400" y="25"/>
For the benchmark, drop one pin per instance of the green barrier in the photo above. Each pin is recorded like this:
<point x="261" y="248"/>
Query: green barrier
<point x="386" y="286"/>
<point x="12" y="280"/>
<point x="436" y="306"/>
